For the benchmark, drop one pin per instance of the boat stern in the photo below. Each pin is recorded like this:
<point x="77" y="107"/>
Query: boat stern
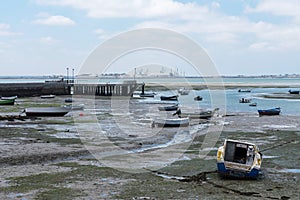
<point x="248" y="164"/>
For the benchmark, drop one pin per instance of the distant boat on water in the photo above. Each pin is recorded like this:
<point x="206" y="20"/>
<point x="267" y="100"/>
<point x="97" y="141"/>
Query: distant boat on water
<point x="247" y="90"/>
<point x="183" y="91"/>
<point x="169" y="98"/>
<point x="46" y="111"/>
<point x="294" y="91"/>
<point x="272" y="111"/>
<point x="244" y="100"/>
<point x="253" y="104"/>
<point x="198" y="98"/>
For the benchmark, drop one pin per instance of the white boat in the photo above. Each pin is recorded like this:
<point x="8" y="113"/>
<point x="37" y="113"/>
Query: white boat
<point x="173" y="122"/>
<point x="183" y="91"/>
<point x="46" y="111"/>
<point x="239" y="160"/>
<point x="74" y="107"/>
<point x="50" y="96"/>
<point x="9" y="98"/>
<point x="244" y="100"/>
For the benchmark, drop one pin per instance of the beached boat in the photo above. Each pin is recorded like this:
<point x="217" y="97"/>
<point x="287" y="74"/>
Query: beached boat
<point x="50" y="96"/>
<point x="253" y="104"/>
<point x="168" y="107"/>
<point x="244" y="100"/>
<point x="198" y="115"/>
<point x="237" y="159"/>
<point x="7" y="102"/>
<point x="9" y="98"/>
<point x="173" y="122"/>
<point x="240" y="90"/>
<point x="272" y="111"/>
<point x="46" y="111"/>
<point x="198" y="98"/>
<point x="68" y="100"/>
<point x="74" y="107"/>
<point x="294" y="91"/>
<point x="169" y="98"/>
<point x="150" y="95"/>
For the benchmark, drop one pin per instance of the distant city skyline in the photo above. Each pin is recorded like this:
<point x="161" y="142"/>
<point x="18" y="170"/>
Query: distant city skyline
<point x="242" y="37"/>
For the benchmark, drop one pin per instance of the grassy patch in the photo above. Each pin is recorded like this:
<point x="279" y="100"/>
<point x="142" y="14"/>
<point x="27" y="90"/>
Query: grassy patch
<point x="59" y="193"/>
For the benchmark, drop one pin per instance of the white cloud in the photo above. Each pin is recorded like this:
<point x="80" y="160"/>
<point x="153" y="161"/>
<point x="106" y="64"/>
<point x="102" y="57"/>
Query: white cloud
<point x="56" y="20"/>
<point x="48" y="40"/>
<point x="134" y="8"/>
<point x="208" y="21"/>
<point x="5" y="30"/>
<point x="278" y="7"/>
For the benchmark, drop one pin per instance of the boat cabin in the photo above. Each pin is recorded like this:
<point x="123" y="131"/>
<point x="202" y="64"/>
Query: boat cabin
<point x="239" y="153"/>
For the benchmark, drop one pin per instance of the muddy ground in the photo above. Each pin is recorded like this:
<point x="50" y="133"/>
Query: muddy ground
<point x="47" y="158"/>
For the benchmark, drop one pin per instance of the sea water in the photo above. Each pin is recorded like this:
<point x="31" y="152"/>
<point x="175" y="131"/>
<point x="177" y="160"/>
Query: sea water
<point x="232" y="96"/>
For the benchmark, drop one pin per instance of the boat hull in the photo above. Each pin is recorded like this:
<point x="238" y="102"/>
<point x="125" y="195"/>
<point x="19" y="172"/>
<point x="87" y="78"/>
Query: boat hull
<point x="7" y="102"/>
<point x="294" y="92"/>
<point x="275" y="111"/>
<point x="46" y="112"/>
<point x="169" y="98"/>
<point x="232" y="173"/>
<point x="181" y="122"/>
<point x="168" y="108"/>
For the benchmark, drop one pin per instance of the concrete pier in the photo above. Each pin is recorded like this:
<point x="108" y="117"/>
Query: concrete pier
<point x="124" y="89"/>
<point x="64" y="88"/>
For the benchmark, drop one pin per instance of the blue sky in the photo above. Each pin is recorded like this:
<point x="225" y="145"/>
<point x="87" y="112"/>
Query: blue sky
<point x="44" y="37"/>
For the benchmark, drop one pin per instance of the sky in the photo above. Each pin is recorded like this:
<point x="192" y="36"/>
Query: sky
<point x="242" y="37"/>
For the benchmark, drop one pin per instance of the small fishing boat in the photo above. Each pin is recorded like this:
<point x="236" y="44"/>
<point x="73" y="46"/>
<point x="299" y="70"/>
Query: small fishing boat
<point x="237" y="159"/>
<point x="168" y="107"/>
<point x="294" y="91"/>
<point x="74" y="107"/>
<point x="9" y="98"/>
<point x="68" y="100"/>
<point x="247" y="90"/>
<point x="149" y="95"/>
<point x="173" y="122"/>
<point x="50" y="96"/>
<point x="46" y="111"/>
<point x="272" y="111"/>
<point x="253" y="104"/>
<point x="198" y="115"/>
<point x="169" y="98"/>
<point x="7" y="102"/>
<point x="244" y="100"/>
<point x="198" y="98"/>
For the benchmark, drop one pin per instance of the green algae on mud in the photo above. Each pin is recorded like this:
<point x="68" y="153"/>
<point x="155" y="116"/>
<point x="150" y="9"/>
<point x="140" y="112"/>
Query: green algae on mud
<point x="36" y="135"/>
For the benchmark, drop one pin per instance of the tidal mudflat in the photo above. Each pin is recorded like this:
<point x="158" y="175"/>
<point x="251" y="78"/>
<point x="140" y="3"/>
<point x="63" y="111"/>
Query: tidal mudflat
<point x="47" y="158"/>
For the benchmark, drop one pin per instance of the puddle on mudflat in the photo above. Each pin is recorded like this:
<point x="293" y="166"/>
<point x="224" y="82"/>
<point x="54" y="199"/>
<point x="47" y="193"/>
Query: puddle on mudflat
<point x="297" y="171"/>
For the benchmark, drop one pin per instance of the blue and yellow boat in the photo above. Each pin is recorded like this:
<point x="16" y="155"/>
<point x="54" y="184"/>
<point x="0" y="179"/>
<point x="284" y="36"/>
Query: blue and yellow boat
<point x="237" y="159"/>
